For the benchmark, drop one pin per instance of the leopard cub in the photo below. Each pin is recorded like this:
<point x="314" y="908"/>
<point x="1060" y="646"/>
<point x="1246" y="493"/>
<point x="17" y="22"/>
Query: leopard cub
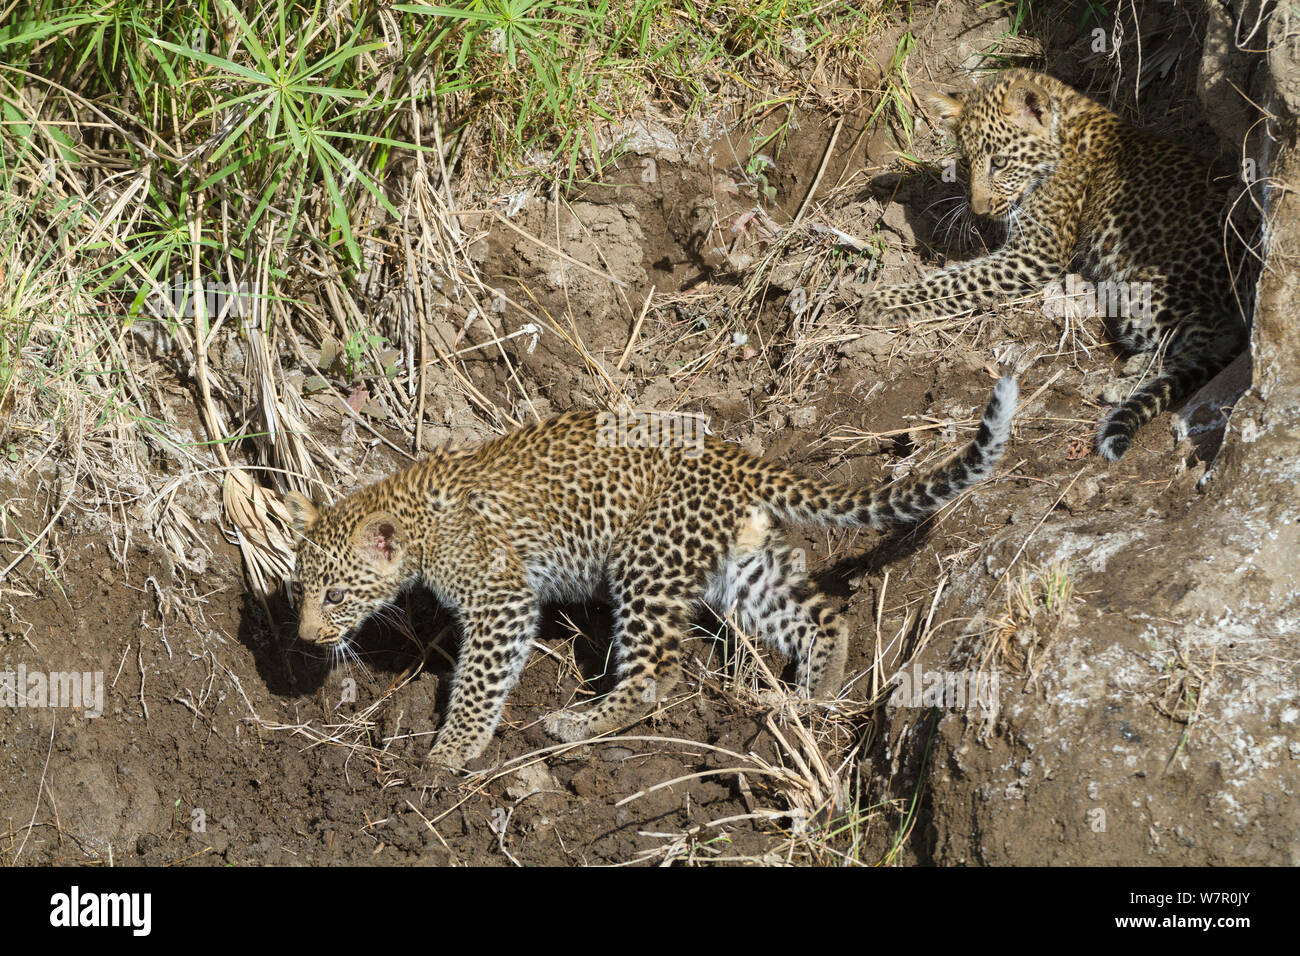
<point x="1075" y="184"/>
<point x="570" y="507"/>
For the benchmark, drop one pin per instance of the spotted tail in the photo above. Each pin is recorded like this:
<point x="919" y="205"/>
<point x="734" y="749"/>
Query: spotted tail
<point x="795" y="498"/>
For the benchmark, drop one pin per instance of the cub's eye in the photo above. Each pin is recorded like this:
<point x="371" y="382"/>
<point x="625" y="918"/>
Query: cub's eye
<point x="998" y="162"/>
<point x="333" y="596"/>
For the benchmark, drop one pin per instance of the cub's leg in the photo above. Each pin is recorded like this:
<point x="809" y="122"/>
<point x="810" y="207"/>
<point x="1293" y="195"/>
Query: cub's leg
<point x="652" y="587"/>
<point x="1017" y="269"/>
<point x="1193" y="355"/>
<point x="498" y="625"/>
<point x="777" y="602"/>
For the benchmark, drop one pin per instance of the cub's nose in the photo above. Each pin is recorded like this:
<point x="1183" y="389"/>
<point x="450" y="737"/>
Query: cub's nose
<point x="314" y="632"/>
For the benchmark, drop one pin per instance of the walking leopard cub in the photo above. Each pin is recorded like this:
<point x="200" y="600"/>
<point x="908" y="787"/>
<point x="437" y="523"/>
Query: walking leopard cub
<point x="1074" y="183"/>
<point x="567" y="508"/>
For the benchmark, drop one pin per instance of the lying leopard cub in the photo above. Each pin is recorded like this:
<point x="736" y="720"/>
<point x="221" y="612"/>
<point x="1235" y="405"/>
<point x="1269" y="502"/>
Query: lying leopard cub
<point x="554" y="510"/>
<point x="1073" y="181"/>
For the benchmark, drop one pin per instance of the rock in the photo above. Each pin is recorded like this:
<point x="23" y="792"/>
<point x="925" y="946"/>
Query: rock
<point x="530" y="779"/>
<point x="895" y="219"/>
<point x="1080" y="493"/>
<point x="1209" y="408"/>
<point x="872" y="344"/>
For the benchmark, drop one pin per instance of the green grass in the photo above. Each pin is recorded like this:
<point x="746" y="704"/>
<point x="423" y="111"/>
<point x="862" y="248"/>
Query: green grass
<point x="894" y="103"/>
<point x="34" y="282"/>
<point x="273" y="124"/>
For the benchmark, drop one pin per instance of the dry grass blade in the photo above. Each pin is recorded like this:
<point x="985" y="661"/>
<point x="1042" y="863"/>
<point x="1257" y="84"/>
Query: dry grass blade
<point x="261" y="522"/>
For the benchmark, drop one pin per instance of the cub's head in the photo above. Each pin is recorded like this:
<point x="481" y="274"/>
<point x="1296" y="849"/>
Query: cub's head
<point x="351" y="562"/>
<point x="1008" y="132"/>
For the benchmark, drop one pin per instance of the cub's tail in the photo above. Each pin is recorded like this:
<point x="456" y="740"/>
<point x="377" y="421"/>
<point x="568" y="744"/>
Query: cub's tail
<point x="796" y="498"/>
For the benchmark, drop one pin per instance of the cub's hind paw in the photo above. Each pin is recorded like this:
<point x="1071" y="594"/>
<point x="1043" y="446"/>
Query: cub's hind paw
<point x="1118" y="390"/>
<point x="567" y="726"/>
<point x="793" y="700"/>
<point x="778" y="697"/>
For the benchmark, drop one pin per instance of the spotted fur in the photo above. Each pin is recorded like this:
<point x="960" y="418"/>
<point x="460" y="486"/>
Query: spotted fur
<point x="553" y="511"/>
<point x="1074" y="183"/>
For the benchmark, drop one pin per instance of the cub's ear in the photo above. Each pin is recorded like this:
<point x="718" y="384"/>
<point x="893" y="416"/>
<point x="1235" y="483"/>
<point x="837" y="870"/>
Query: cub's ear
<point x="379" y="539"/>
<point x="947" y="107"/>
<point x="1028" y="105"/>
<point x="302" y="511"/>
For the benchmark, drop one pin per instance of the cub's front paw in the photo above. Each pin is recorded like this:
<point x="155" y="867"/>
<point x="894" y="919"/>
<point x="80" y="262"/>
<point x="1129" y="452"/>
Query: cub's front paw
<point x="848" y="292"/>
<point x="452" y="753"/>
<point x="886" y="308"/>
<point x="869" y="307"/>
<point x="432" y="776"/>
<point x="445" y="758"/>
